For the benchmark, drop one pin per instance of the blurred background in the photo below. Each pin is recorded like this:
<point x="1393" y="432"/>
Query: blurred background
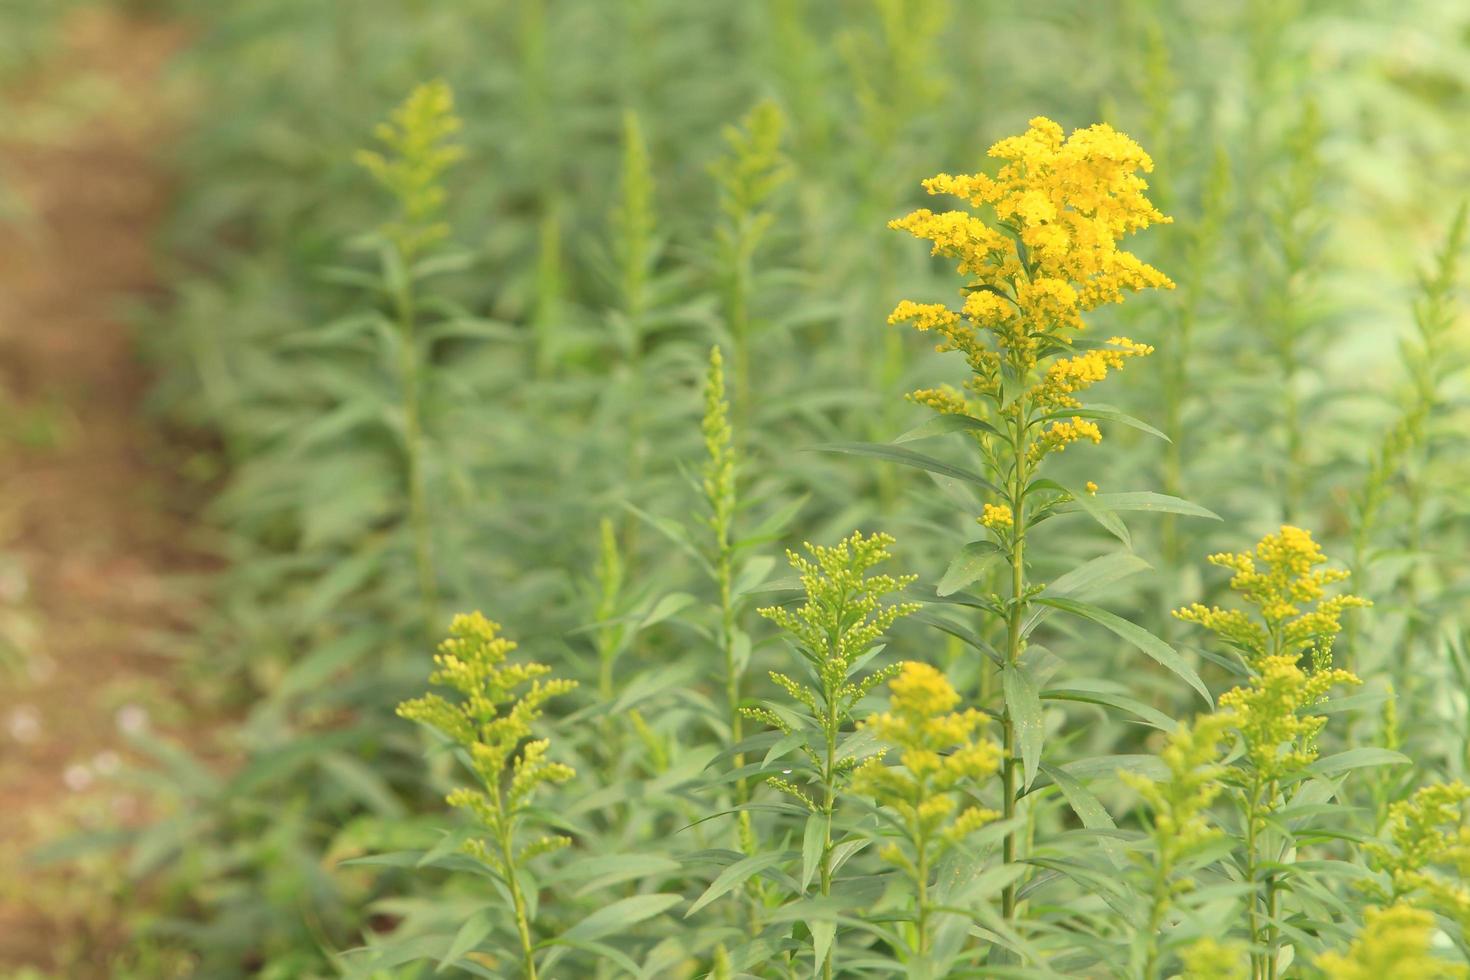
<point x="214" y="508"/>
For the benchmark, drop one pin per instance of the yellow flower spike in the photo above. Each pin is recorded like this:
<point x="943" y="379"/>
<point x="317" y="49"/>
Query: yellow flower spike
<point x="1429" y="830"/>
<point x="1279" y="738"/>
<point x="1063" y="205"/>
<point x="1395" y="942"/>
<point x="997" y="517"/>
<point x="940" y="753"/>
<point x="1280" y="576"/>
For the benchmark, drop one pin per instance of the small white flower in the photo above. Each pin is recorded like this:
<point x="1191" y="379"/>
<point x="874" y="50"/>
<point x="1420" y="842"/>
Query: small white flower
<point x="132" y="719"/>
<point x="77" y="777"/>
<point x="23" y="723"/>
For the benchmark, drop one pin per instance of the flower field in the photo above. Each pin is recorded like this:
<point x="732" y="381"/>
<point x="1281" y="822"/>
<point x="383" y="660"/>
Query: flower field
<point x="878" y="488"/>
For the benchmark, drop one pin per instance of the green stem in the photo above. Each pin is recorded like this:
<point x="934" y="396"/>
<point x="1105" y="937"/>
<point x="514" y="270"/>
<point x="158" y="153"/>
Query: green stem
<point x="523" y="924"/>
<point x="828" y="804"/>
<point x="1252" y="869"/>
<point x="1014" y="641"/>
<point x="922" y="840"/>
<point x="409" y="370"/>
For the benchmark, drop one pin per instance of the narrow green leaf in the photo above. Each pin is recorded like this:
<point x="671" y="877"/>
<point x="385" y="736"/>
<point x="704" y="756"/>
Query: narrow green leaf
<point x="1104" y="570"/>
<point x="737" y="874"/>
<point x="812" y="841"/>
<point x="1111" y="699"/>
<point x="972" y="561"/>
<point x="1146" y="500"/>
<point x="1024" y="706"/>
<point x="470" y="935"/>
<point x="1360" y="758"/>
<point x="907" y="457"/>
<point x="1087" y="503"/>
<point x="944" y="424"/>
<point x="1141" y="638"/>
<point x="621" y="914"/>
<point x="1089" y="810"/>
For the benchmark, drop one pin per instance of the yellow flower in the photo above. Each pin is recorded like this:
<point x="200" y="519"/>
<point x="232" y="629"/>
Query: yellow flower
<point x="1068" y="201"/>
<point x="1059" y="435"/>
<point x="1278" y="737"/>
<point x="1395" y="942"/>
<point x="492" y="722"/>
<point x="1431" y="829"/>
<point x="1061" y="206"/>
<point x="1281" y="577"/>
<point x="938" y="751"/>
<point x="1069" y="375"/>
<point x="1092" y="488"/>
<point x="1210" y="959"/>
<point x="997" y="517"/>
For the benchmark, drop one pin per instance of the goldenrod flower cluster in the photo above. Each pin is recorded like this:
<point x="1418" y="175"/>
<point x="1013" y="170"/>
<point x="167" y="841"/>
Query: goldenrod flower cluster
<point x="1279" y="738"/>
<point x="1180" y="804"/>
<point x="1395" y="942"/>
<point x="1059" y="435"/>
<point x="719" y="443"/>
<point x="997" y="517"/>
<point x="1281" y="576"/>
<point x="418" y="155"/>
<point x="843" y="617"/>
<point x="1210" y="959"/>
<point x="939" y="752"/>
<point x="1431" y="829"/>
<point x="1069" y="375"/>
<point x="1061" y="207"/>
<point x="492" y="722"/>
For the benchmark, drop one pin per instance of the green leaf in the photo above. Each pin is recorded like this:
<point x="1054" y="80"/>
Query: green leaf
<point x="812" y="841"/>
<point x="737" y="874"/>
<point x="621" y="914"/>
<point x="1025" y="710"/>
<point x="1101" y="571"/>
<point x="907" y="457"/>
<point x="823" y="932"/>
<point x="1085" y="502"/>
<point x="1105" y="413"/>
<point x="475" y="929"/>
<point x="944" y="424"/>
<point x="1089" y="810"/>
<point x="1148" y="714"/>
<point x="1141" y="638"/>
<point x="1146" y="500"/>
<point x="1361" y="758"/>
<point x="972" y="561"/>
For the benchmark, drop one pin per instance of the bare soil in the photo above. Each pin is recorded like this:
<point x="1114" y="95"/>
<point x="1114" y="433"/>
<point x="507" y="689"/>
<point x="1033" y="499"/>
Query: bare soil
<point x="95" y="525"/>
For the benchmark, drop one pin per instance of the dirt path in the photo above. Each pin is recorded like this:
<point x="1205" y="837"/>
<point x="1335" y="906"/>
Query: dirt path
<point x="94" y="527"/>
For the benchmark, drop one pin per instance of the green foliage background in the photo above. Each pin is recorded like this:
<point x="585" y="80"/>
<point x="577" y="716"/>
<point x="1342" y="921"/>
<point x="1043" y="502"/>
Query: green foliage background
<point x="1312" y="154"/>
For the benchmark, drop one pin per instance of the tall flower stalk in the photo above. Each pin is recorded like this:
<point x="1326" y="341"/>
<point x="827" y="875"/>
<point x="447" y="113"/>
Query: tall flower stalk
<point x="748" y="176"/>
<point x="1060" y="206"/>
<point x="941" y="754"/>
<point x="1287" y="649"/>
<point x="718" y="484"/>
<point x="418" y="151"/>
<point x="492" y="723"/>
<point x="836" y="631"/>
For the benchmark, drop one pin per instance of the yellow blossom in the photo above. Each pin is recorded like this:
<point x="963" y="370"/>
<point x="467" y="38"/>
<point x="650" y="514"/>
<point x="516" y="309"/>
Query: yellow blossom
<point x="1059" y="435"/>
<point x="1210" y="959"/>
<point x="1281" y="577"/>
<point x="1069" y="375"/>
<point x="938" y="751"/>
<point x="1092" y="488"/>
<point x="997" y="517"/>
<point x="1395" y="942"/>
<point x="1279" y="738"/>
<point x="1429" y="830"/>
